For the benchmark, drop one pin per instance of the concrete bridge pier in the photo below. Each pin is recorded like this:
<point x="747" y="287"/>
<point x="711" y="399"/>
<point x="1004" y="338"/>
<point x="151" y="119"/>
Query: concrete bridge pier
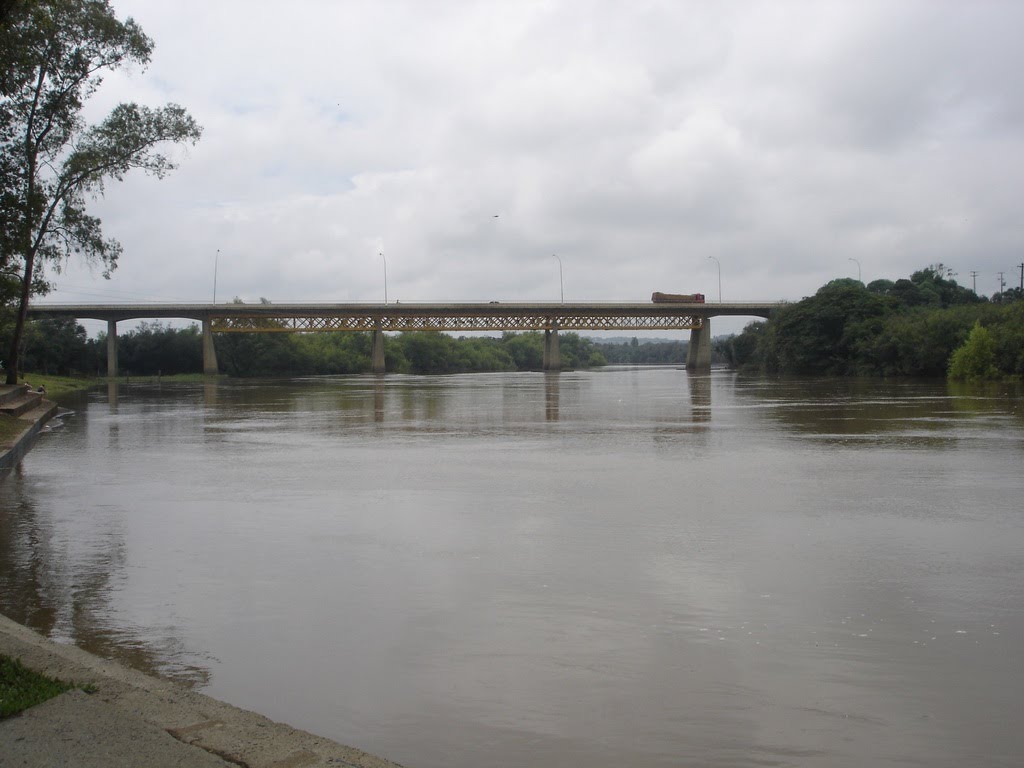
<point x="698" y="354"/>
<point x="378" y="350"/>
<point x="210" y="367"/>
<point x="112" y="348"/>
<point x="552" y="357"/>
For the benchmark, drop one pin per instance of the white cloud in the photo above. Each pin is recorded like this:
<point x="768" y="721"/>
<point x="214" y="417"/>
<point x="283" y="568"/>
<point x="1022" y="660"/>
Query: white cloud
<point x="634" y="140"/>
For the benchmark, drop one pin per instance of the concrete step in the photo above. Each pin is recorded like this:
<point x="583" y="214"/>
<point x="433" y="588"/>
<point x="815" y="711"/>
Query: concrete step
<point x="22" y="403"/>
<point x="12" y="392"/>
<point x="44" y="410"/>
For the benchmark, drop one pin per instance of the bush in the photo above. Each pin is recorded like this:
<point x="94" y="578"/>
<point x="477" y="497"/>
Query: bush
<point x="976" y="358"/>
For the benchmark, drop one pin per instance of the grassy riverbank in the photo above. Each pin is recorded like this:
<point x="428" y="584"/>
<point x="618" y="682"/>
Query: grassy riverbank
<point x="177" y="378"/>
<point x="57" y="385"/>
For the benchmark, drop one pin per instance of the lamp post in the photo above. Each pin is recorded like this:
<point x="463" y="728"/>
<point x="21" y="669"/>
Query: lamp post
<point x="381" y="254"/>
<point x="561" y="289"/>
<point x="216" y="258"/>
<point x="719" y="277"/>
<point x="858" y="268"/>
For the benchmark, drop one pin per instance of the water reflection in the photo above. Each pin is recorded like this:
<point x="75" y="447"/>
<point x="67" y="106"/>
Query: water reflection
<point x="700" y="396"/>
<point x="378" y="399"/>
<point x="909" y="414"/>
<point x="551" y="382"/>
<point x="61" y="579"/>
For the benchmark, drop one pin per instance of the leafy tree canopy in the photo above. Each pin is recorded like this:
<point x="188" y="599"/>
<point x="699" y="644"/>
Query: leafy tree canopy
<point x="908" y="327"/>
<point x="53" y="56"/>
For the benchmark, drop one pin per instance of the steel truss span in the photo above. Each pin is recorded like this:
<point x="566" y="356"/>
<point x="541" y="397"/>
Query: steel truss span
<point x="267" y="323"/>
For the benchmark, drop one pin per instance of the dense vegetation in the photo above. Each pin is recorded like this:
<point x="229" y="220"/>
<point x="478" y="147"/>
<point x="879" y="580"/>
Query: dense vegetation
<point x="635" y="352"/>
<point x="61" y="347"/>
<point x="926" y="325"/>
<point x="276" y="354"/>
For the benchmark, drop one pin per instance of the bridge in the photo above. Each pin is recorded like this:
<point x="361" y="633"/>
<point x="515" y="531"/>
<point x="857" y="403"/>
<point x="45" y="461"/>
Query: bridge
<point x="379" y="319"/>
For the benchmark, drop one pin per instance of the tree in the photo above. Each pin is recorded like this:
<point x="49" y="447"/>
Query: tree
<point x="816" y="335"/>
<point x="53" y="55"/>
<point x="976" y="359"/>
<point x="743" y="351"/>
<point x="58" y="346"/>
<point x="525" y="349"/>
<point x="154" y="348"/>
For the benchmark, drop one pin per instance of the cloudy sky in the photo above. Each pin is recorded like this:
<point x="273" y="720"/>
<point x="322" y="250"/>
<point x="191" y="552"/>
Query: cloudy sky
<point x="469" y="141"/>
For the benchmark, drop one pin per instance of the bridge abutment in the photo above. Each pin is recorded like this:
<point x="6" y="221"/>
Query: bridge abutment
<point x="552" y="356"/>
<point x="698" y="353"/>
<point x="112" y="348"/>
<point x="378" y="350"/>
<point x="210" y="367"/>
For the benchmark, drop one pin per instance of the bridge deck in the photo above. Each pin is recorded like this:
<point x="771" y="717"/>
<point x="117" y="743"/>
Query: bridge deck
<point x="440" y="316"/>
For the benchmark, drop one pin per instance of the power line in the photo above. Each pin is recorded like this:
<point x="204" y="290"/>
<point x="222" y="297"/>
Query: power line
<point x="80" y="291"/>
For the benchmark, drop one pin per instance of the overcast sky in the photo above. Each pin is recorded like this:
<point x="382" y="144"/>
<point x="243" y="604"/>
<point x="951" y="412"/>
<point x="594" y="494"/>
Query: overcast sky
<point x="470" y="141"/>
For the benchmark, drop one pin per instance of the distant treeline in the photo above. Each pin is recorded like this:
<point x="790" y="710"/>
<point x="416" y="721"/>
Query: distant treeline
<point x="418" y="352"/>
<point x="62" y="347"/>
<point x="926" y="325"/>
<point x="635" y="352"/>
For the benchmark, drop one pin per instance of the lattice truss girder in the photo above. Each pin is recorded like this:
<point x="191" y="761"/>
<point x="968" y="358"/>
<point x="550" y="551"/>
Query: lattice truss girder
<point x="324" y="323"/>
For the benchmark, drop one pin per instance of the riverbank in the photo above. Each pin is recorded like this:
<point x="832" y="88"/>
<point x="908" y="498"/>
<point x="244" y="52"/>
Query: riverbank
<point x="23" y="414"/>
<point x="129" y="718"/>
<point x="133" y="719"/>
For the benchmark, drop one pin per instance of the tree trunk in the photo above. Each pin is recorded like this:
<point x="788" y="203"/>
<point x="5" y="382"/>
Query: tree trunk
<point x="14" y="356"/>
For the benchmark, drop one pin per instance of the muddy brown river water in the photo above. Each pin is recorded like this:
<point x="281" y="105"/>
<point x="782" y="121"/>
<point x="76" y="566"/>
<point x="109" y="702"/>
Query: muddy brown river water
<point x="627" y="567"/>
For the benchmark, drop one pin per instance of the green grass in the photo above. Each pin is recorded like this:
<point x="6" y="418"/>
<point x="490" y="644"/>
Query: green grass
<point x="10" y="428"/>
<point x="174" y="377"/>
<point x="57" y="385"/>
<point x="21" y="688"/>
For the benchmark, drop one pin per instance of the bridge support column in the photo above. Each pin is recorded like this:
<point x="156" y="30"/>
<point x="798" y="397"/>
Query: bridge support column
<point x="112" y="348"/>
<point x="698" y="354"/>
<point x="378" y="350"/>
<point x="210" y="367"/>
<point x="552" y="357"/>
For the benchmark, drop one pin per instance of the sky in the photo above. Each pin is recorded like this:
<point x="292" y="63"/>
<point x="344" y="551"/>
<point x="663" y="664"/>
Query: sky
<point x="592" y="149"/>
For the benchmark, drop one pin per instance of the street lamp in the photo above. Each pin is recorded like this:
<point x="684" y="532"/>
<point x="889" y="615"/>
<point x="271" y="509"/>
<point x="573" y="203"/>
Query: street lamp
<point x="216" y="258"/>
<point x="858" y="268"/>
<point x="381" y="254"/>
<point x="719" y="277"/>
<point x="561" y="289"/>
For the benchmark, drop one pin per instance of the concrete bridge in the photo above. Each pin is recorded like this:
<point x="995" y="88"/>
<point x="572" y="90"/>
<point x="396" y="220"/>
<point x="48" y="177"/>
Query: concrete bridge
<point x="379" y="318"/>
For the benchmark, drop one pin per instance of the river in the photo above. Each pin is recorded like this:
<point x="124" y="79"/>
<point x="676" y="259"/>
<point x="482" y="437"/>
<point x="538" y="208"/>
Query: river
<point x="625" y="567"/>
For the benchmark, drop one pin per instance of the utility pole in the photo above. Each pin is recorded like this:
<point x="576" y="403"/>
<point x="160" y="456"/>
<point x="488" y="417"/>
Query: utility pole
<point x="974" y="282"/>
<point x="1002" y="283"/>
<point x="1021" y="265"/>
